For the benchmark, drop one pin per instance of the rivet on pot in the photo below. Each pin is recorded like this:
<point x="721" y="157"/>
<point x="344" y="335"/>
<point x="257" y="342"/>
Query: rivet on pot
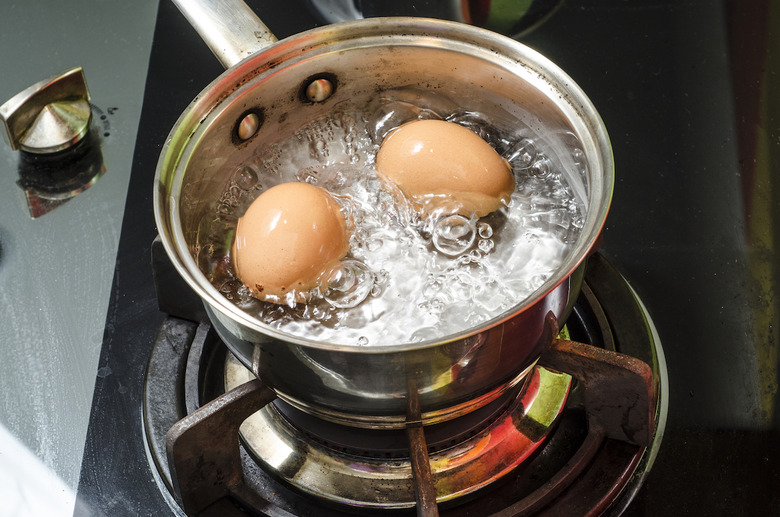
<point x="319" y="90"/>
<point x="248" y="126"/>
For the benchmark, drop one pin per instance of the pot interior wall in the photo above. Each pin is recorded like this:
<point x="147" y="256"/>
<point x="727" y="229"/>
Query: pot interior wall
<point x="460" y="81"/>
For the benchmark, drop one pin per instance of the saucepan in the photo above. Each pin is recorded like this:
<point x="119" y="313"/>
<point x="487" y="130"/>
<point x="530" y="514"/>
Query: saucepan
<point x="273" y="88"/>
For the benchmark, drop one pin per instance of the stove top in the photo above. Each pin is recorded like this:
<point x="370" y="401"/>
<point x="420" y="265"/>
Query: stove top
<point x="685" y="92"/>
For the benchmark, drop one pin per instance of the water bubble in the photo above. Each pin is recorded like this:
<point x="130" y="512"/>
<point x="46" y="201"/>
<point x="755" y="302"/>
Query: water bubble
<point x="422" y="98"/>
<point x="432" y="287"/>
<point x="235" y="194"/>
<point x="453" y="235"/>
<point x="432" y="306"/>
<point x="475" y="122"/>
<point x="374" y="244"/>
<point x="395" y="114"/>
<point x="343" y="178"/>
<point x="244" y="299"/>
<point x="393" y="108"/>
<point x="424" y="334"/>
<point x="319" y="314"/>
<point x="580" y="161"/>
<point x="485" y="230"/>
<point x="460" y="287"/>
<point x="348" y="210"/>
<point x="348" y="284"/>
<point x="541" y="168"/>
<point x="387" y="118"/>
<point x="272" y="315"/>
<point x="522" y="154"/>
<point x="362" y="341"/>
<point x="318" y="148"/>
<point x="270" y="159"/>
<point x="308" y="175"/>
<point x="230" y="286"/>
<point x="486" y="245"/>
<point x="246" y="178"/>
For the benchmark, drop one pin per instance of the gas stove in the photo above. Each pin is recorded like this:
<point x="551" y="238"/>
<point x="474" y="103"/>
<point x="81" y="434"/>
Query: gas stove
<point x="687" y="260"/>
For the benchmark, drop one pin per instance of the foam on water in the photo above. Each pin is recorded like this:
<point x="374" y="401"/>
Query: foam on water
<point x="405" y="279"/>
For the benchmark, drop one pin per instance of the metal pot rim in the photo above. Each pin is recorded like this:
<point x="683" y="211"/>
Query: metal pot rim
<point x="205" y="108"/>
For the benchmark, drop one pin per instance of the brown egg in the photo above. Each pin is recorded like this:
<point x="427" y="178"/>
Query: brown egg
<point x="288" y="237"/>
<point x="444" y="167"/>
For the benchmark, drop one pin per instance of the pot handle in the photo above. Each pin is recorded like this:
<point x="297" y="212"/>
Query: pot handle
<point x="229" y="27"/>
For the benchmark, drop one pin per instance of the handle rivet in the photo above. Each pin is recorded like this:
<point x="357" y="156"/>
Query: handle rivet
<point x="248" y="126"/>
<point x="319" y="90"/>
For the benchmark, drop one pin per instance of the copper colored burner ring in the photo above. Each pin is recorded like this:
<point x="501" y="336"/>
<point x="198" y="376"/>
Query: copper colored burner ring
<point x="334" y="475"/>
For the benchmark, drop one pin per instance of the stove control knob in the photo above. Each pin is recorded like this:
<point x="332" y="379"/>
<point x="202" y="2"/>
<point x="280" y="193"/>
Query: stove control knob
<point x="49" y="116"/>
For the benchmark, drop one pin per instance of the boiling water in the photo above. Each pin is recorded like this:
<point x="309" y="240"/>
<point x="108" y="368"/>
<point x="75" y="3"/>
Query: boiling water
<point x="406" y="279"/>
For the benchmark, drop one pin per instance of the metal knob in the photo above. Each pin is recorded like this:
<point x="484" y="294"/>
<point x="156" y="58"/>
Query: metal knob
<point x="49" y="116"/>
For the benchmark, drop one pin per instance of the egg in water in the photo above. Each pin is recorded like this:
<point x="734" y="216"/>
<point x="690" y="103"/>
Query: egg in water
<point x="444" y="168"/>
<point x="288" y="238"/>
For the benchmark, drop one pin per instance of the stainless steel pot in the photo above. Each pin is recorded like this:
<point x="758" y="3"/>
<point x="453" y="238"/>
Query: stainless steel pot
<point x="480" y="71"/>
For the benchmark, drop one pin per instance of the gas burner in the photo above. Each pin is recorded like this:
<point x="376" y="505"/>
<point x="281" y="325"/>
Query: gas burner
<point x="373" y="468"/>
<point x="577" y="435"/>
